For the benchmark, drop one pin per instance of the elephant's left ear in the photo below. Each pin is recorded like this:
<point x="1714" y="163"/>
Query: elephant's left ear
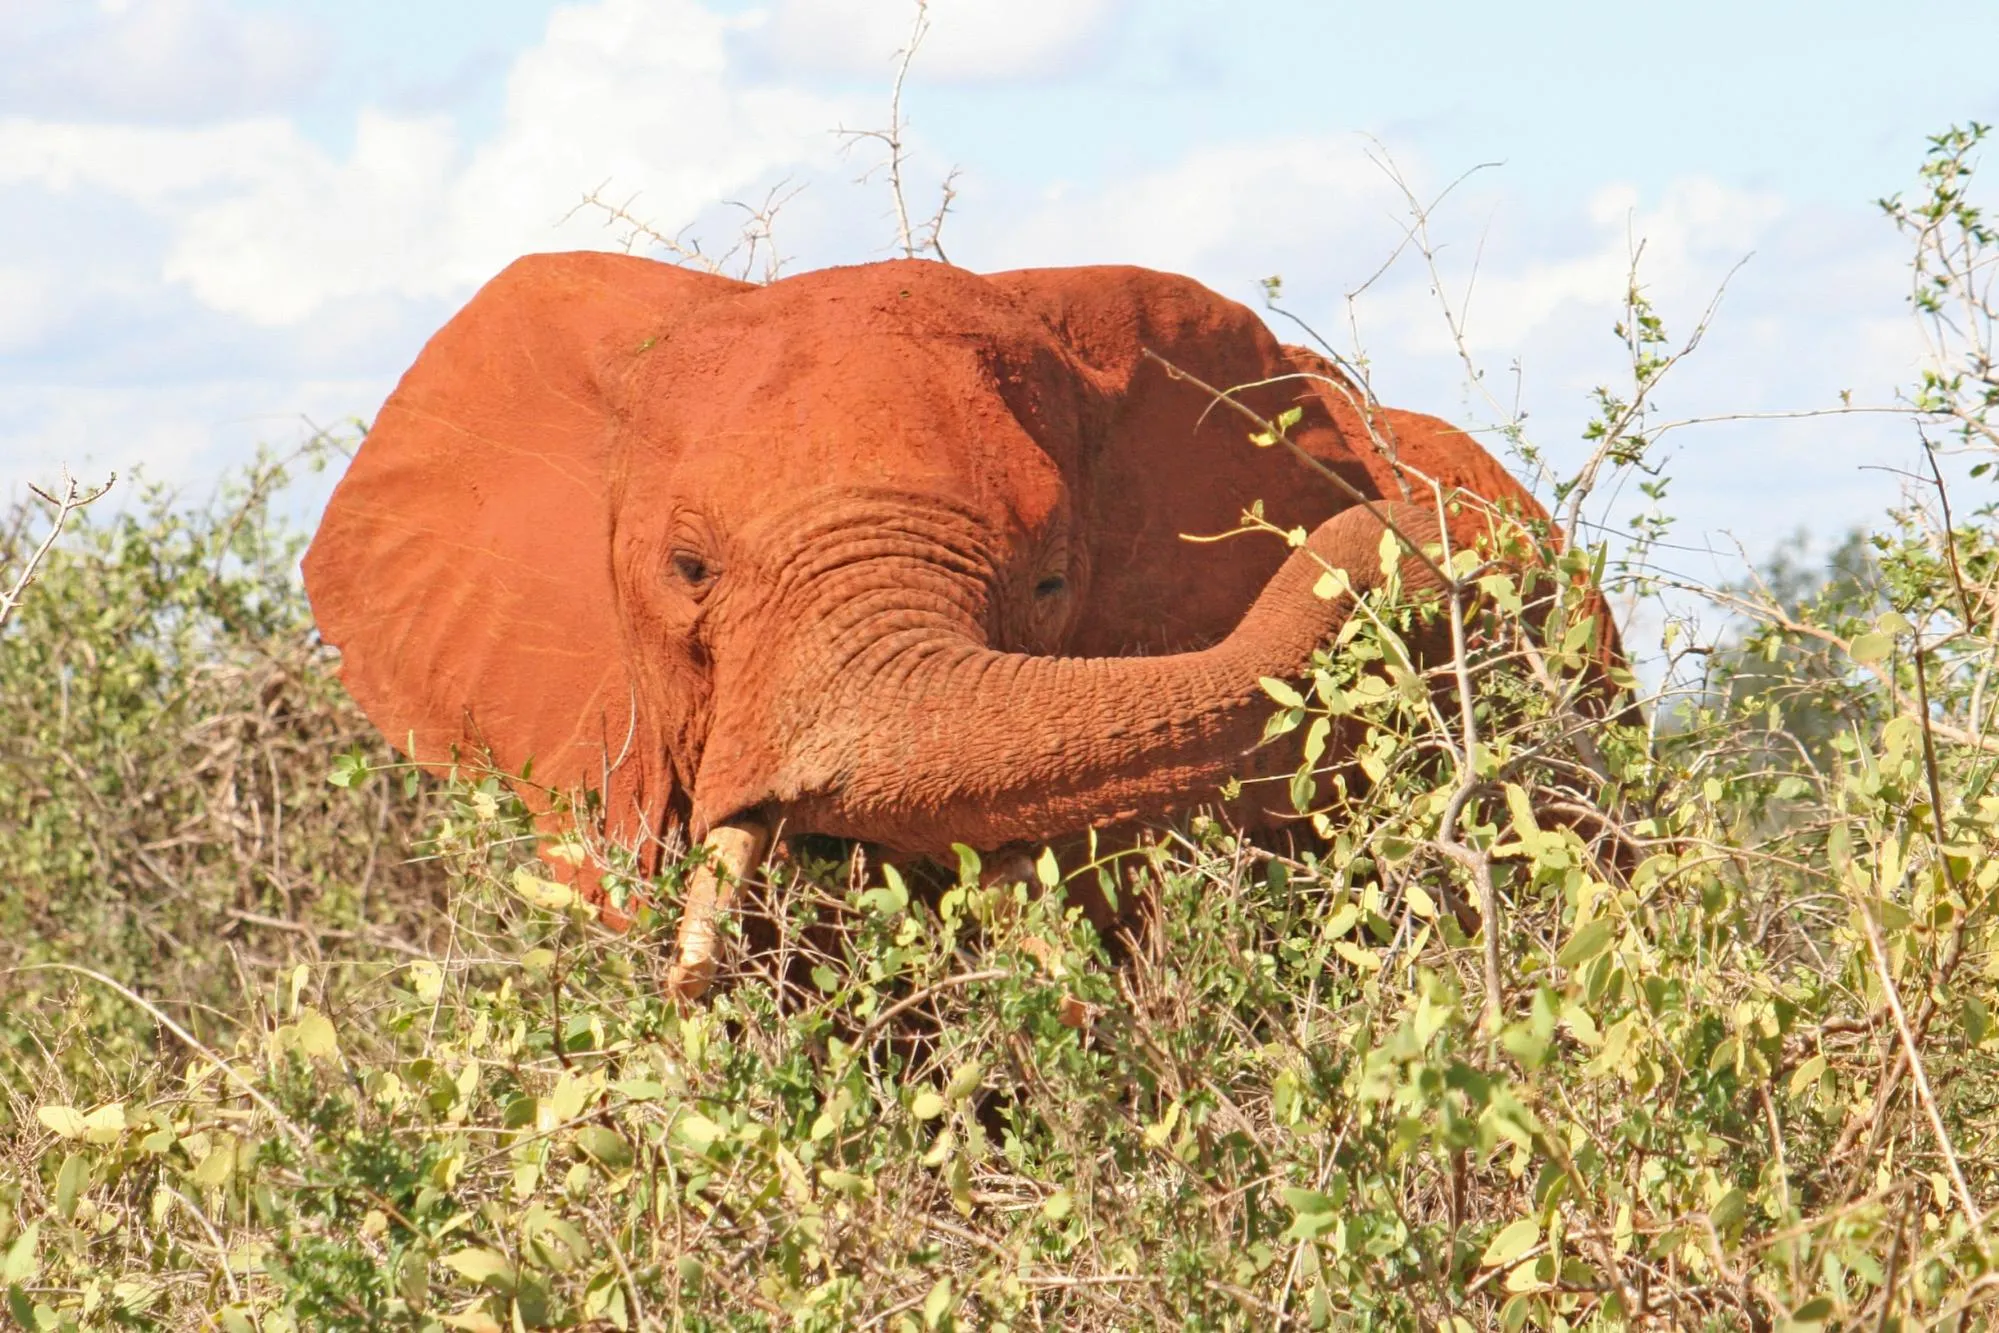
<point x="463" y="564"/>
<point x="1170" y="459"/>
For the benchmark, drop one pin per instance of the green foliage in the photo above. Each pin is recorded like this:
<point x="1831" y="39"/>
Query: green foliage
<point x="167" y="716"/>
<point x="1567" y="1027"/>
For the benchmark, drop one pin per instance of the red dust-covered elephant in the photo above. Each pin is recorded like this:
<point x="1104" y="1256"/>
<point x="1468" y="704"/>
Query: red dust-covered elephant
<point x="891" y="552"/>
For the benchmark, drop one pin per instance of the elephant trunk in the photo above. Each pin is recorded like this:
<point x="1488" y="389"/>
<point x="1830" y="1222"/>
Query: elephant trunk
<point x="964" y="744"/>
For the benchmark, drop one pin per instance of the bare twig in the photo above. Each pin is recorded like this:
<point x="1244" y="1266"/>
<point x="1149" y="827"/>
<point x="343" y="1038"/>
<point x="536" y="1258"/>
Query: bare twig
<point x="69" y="497"/>
<point x="922" y="238"/>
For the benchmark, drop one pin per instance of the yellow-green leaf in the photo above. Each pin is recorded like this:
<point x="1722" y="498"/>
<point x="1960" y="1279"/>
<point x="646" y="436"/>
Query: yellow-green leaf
<point x="316" y="1038"/>
<point x="486" y="1267"/>
<point x="427" y="980"/>
<point x="1421" y="903"/>
<point x="70" y="1182"/>
<point x="216" y="1168"/>
<point x="1587" y="943"/>
<point x="606" y="1146"/>
<point x="1364" y="959"/>
<point x="641" y="1089"/>
<point x="939" y="1302"/>
<point x="1807" y="1075"/>
<point x="843" y="1182"/>
<point x="1281" y="691"/>
<point x="105" y="1124"/>
<point x="65" y="1121"/>
<point x="1871" y="647"/>
<point x="1514" y="1240"/>
<point x="21" y="1264"/>
<point x="696" y="1131"/>
<point x="568" y="1098"/>
<point x="1333" y="583"/>
<point x="543" y="893"/>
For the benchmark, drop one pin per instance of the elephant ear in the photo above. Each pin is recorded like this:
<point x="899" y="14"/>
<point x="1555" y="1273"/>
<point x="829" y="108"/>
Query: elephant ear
<point x="1409" y="453"/>
<point x="463" y="566"/>
<point x="1172" y="462"/>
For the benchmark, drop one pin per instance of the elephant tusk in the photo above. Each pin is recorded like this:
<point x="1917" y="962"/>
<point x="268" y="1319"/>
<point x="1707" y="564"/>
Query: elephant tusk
<point x="733" y="852"/>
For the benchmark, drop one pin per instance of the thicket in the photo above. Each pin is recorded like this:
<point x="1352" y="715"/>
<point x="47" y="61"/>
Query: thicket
<point x="1676" y="1019"/>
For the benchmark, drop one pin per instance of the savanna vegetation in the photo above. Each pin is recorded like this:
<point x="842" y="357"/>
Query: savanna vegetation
<point x="1684" y="1017"/>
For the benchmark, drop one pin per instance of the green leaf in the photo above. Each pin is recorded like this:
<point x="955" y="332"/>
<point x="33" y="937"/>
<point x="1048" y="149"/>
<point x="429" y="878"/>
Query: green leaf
<point x="1390" y="551"/>
<point x="1814" y="1311"/>
<point x="316" y="1038"/>
<point x="1807" y="1075"/>
<point x="427" y="980"/>
<point x="892" y="897"/>
<point x="488" y="1268"/>
<point x="21" y="1264"/>
<point x="568" y="1097"/>
<point x="1315" y="739"/>
<point x="216" y="1168"/>
<point x="1281" y="691"/>
<point x="606" y="1146"/>
<point x="696" y="1131"/>
<point x="843" y="1182"/>
<point x="66" y="1121"/>
<point x="1587" y="943"/>
<point x="1871" y="647"/>
<point x="926" y="1105"/>
<point x="640" y="1089"/>
<point x="965" y="1080"/>
<point x="1304" y="1201"/>
<point x="968" y="865"/>
<point x="70" y="1182"/>
<point x="937" y="1306"/>
<point x="1310" y="1226"/>
<point x="1729" y="1209"/>
<point x="1513" y="1241"/>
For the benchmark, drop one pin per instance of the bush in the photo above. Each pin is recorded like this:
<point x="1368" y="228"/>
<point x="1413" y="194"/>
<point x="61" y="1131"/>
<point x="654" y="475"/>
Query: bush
<point x="1569" y="1026"/>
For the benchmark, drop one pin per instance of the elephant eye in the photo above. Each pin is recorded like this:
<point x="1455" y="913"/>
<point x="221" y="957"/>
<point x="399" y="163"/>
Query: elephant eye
<point x="1051" y="586"/>
<point x="692" y="569"/>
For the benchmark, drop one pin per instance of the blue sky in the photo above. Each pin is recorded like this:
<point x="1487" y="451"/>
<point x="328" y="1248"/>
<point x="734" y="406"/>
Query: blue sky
<point x="218" y="217"/>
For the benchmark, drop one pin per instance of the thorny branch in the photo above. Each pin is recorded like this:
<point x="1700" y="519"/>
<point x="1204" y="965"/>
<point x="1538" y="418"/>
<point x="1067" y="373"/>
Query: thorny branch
<point x="70" y="496"/>
<point x="923" y="237"/>
<point x="753" y="256"/>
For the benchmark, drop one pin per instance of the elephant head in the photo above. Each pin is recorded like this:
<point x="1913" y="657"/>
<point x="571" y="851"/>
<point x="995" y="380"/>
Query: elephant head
<point x="890" y="552"/>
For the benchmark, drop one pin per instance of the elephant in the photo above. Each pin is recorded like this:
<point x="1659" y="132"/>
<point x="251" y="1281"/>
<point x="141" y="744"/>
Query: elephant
<point x="891" y="552"/>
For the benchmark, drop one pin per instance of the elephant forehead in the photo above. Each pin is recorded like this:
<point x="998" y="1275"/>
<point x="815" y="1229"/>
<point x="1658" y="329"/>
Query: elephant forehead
<point x="769" y="407"/>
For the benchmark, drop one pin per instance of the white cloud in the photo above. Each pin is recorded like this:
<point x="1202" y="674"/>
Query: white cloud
<point x="174" y="59"/>
<point x="259" y="263"/>
<point x="28" y="307"/>
<point x="272" y="227"/>
<point x="1817" y="308"/>
<point x="968" y="40"/>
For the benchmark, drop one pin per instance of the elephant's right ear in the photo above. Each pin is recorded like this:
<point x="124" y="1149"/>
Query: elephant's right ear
<point x="463" y="567"/>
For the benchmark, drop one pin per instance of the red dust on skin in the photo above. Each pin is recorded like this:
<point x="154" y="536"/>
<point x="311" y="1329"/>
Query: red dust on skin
<point x="893" y="552"/>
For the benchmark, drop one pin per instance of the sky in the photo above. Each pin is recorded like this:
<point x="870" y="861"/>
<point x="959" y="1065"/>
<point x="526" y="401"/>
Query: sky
<point x="222" y="221"/>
